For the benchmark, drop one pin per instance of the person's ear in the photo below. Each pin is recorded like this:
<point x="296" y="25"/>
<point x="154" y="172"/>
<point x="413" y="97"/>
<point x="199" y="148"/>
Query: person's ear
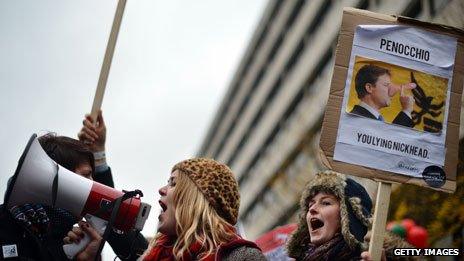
<point x="369" y="87"/>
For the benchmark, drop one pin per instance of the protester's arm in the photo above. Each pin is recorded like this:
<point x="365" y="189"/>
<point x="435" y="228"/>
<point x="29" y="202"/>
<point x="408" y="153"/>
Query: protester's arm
<point x="127" y="246"/>
<point x="74" y="236"/>
<point x="94" y="135"/>
<point x="105" y="177"/>
<point x="366" y="256"/>
<point x="391" y="242"/>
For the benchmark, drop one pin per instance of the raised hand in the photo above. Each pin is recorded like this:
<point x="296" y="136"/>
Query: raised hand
<point x="93" y="134"/>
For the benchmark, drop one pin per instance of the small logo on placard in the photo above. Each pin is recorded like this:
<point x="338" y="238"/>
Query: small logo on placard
<point x="408" y="165"/>
<point x="434" y="176"/>
<point x="10" y="251"/>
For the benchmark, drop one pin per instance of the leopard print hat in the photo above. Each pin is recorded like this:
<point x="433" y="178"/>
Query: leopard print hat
<point x="217" y="183"/>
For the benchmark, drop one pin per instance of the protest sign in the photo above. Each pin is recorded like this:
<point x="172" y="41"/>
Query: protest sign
<point x="394" y="106"/>
<point x="375" y="134"/>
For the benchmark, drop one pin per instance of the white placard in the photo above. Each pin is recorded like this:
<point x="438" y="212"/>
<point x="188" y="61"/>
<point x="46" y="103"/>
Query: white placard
<point x="389" y="147"/>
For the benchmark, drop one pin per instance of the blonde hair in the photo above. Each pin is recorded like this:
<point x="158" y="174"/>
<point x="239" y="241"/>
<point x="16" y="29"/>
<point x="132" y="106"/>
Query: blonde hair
<point x="196" y="221"/>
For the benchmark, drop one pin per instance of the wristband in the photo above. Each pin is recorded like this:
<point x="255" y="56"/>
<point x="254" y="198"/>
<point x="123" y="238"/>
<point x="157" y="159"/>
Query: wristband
<point x="99" y="155"/>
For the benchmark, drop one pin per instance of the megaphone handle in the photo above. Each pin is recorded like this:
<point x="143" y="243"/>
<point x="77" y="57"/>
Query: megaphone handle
<point x="71" y="250"/>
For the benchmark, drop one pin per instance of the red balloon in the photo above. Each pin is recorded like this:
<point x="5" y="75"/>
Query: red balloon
<point x="408" y="224"/>
<point x="417" y="236"/>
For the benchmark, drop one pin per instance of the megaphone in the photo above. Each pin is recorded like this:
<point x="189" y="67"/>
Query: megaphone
<point x="38" y="179"/>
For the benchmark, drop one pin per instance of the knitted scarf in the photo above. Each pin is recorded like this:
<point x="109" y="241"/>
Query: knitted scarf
<point x="162" y="251"/>
<point x="334" y="249"/>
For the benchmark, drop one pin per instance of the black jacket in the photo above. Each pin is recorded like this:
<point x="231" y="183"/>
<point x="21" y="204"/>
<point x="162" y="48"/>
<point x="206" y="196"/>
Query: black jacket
<point x="29" y="247"/>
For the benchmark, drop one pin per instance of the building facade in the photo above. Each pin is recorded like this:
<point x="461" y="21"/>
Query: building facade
<point x="267" y="126"/>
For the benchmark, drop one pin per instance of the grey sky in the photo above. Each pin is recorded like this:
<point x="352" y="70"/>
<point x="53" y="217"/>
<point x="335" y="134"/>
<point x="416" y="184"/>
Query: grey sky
<point x="172" y="64"/>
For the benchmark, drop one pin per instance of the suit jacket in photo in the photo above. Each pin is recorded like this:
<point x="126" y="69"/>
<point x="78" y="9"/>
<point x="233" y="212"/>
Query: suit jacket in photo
<point x="401" y="119"/>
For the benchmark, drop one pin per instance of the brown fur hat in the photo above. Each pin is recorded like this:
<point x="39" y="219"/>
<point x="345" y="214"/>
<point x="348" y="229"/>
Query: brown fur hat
<point x="217" y="183"/>
<point x="355" y="208"/>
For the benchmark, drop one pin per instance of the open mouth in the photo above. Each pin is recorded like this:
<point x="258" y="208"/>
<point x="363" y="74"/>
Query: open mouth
<point x="163" y="206"/>
<point x="316" y="223"/>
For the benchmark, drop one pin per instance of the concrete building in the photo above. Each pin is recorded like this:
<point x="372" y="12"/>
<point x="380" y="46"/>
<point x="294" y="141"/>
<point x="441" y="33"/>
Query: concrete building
<point x="267" y="126"/>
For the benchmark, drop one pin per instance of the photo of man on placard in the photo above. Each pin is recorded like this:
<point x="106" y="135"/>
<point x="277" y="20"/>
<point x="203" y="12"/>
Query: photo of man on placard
<point x="375" y="90"/>
<point x="391" y="94"/>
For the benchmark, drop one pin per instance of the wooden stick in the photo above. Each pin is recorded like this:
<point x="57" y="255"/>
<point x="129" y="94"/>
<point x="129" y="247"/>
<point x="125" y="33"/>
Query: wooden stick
<point x="380" y="219"/>
<point x="105" y="69"/>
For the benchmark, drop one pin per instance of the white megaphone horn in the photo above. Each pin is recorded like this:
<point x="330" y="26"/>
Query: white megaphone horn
<point x="38" y="179"/>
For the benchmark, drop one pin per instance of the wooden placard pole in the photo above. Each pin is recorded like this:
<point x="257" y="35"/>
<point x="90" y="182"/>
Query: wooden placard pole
<point x="380" y="219"/>
<point x="105" y="69"/>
